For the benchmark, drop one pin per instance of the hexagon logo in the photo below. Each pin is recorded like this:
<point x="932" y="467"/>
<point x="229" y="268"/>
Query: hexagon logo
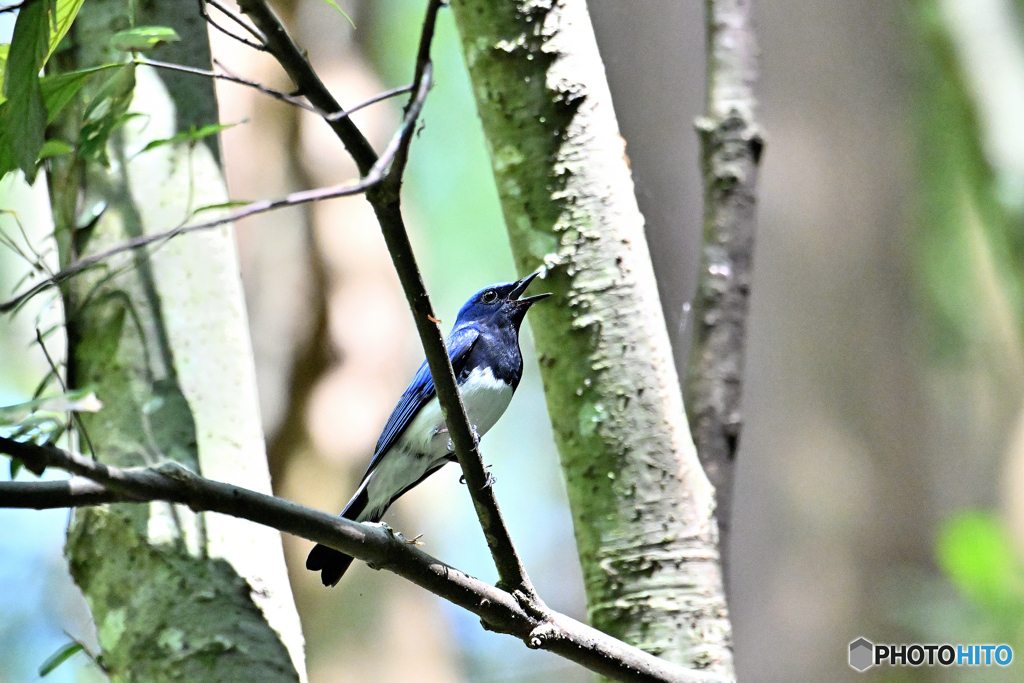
<point x="862" y="653"/>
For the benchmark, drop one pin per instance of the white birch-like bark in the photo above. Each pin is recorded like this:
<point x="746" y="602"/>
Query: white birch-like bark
<point x="162" y="335"/>
<point x="213" y="354"/>
<point x="641" y="503"/>
<point x="731" y="147"/>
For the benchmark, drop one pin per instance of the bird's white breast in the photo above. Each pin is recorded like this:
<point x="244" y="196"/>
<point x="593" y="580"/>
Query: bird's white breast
<point x="425" y="441"/>
<point x="485" y="398"/>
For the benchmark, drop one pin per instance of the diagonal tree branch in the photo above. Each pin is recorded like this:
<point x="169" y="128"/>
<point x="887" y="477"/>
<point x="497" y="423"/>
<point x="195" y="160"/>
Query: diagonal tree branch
<point x="731" y="146"/>
<point x="237" y="20"/>
<point x="259" y="46"/>
<point x="276" y="94"/>
<point x="387" y="94"/>
<point x="386" y="201"/>
<point x="181" y="68"/>
<point x="499" y="610"/>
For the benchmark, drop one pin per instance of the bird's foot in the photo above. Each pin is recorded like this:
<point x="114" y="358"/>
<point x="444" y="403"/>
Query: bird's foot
<point x="491" y="481"/>
<point x="414" y="541"/>
<point x="451" y="444"/>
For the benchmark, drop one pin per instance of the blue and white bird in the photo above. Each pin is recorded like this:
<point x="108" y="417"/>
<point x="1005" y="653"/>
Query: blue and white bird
<point x="484" y="349"/>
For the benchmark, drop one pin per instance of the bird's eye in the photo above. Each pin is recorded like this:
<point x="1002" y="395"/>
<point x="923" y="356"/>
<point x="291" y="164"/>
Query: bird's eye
<point x="490" y="296"/>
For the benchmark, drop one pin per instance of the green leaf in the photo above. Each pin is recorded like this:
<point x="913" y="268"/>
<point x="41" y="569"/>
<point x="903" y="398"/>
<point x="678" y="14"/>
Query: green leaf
<point x="115" y="95"/>
<point x="58" y="89"/>
<point x="190" y="136"/>
<point x="37" y="425"/>
<point x="80" y="400"/>
<point x="59" y="657"/>
<point x="334" y="4"/>
<point x="55" y="148"/>
<point x="27" y="51"/>
<point x="44" y="383"/>
<point x="105" y="113"/>
<point x="222" y="205"/>
<point x="7" y="161"/>
<point x="143" y="38"/>
<point x="15" y="467"/>
<point x="23" y="118"/>
<point x="975" y="552"/>
<point x="64" y="15"/>
<point x="92" y="139"/>
<point x="3" y="67"/>
<point x="55" y="434"/>
<point x="85" y="227"/>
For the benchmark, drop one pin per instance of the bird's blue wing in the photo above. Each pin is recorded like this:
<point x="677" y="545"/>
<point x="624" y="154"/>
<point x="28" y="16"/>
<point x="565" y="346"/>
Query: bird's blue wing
<point x="419" y="393"/>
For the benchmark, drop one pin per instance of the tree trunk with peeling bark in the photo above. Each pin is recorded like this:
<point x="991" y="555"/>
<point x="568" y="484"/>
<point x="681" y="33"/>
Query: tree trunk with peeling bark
<point x="642" y="506"/>
<point x="162" y="338"/>
<point x="731" y="146"/>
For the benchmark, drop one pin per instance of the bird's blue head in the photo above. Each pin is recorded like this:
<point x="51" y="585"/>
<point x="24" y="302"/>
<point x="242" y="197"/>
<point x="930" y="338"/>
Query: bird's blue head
<point x="500" y="304"/>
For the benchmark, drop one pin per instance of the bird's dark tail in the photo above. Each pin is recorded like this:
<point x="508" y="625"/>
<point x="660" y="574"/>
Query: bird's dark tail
<point x="332" y="564"/>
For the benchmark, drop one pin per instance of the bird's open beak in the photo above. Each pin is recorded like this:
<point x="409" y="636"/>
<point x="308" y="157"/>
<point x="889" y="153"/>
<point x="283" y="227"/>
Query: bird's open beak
<point x="521" y="287"/>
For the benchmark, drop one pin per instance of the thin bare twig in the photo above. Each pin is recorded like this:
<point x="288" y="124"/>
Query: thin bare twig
<point x="376" y="544"/>
<point x="238" y="20"/>
<point x="276" y="94"/>
<point x="731" y="146"/>
<point x="373" y="100"/>
<point x="261" y="206"/>
<point x="75" y="417"/>
<point x="261" y="45"/>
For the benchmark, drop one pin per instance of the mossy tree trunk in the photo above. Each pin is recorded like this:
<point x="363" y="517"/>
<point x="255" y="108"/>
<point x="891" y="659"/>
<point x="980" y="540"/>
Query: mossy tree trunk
<point x="641" y="503"/>
<point x="162" y="337"/>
